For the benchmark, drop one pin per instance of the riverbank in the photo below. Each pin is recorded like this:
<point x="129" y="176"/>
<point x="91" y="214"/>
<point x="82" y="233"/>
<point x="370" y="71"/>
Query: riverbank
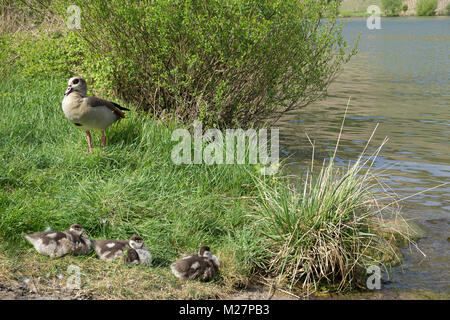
<point x="250" y="221"/>
<point x="358" y="8"/>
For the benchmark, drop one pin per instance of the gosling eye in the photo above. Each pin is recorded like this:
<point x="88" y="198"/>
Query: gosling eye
<point x="75" y="81"/>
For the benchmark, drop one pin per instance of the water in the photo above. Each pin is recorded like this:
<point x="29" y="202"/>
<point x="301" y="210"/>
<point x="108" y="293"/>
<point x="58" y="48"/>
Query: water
<point x="400" y="79"/>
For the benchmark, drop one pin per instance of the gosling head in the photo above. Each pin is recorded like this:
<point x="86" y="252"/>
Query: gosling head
<point x="136" y="242"/>
<point x="77" y="84"/>
<point x="204" y="251"/>
<point x="77" y="229"/>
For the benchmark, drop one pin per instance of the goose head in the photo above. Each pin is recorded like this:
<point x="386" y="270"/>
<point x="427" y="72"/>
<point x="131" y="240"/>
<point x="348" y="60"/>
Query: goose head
<point x="205" y="252"/>
<point x="77" y="84"/>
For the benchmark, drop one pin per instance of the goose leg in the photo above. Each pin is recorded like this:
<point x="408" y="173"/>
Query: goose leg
<point x="89" y="141"/>
<point x="103" y="139"/>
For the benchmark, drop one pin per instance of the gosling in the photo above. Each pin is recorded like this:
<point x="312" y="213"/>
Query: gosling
<point x="203" y="266"/>
<point x="60" y="243"/>
<point x="132" y="251"/>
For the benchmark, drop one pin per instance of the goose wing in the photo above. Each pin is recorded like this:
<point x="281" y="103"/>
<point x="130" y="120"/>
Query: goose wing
<point x="96" y="102"/>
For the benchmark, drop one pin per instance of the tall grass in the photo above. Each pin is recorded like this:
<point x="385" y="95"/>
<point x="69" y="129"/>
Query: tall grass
<point x="324" y="229"/>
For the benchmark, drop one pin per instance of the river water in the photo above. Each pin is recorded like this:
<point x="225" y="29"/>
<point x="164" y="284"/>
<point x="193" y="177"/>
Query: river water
<point x="400" y="79"/>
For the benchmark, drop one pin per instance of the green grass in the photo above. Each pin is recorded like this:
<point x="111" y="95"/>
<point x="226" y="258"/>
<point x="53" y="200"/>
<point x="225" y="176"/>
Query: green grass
<point x="134" y="188"/>
<point x="258" y="226"/>
<point x="359" y="5"/>
<point x="324" y="228"/>
<point x="348" y="14"/>
<point x="357" y="8"/>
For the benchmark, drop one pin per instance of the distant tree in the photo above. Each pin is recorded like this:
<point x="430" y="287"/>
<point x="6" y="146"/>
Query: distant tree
<point x="391" y="7"/>
<point x="447" y="9"/>
<point x="426" y="7"/>
<point x="405" y="8"/>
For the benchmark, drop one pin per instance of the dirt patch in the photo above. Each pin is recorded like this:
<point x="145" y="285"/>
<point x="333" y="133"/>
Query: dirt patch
<point x="28" y="292"/>
<point x="261" y="293"/>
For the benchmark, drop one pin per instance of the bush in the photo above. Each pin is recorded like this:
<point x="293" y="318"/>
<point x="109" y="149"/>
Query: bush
<point x="227" y="63"/>
<point x="405" y="8"/>
<point x="426" y="7"/>
<point x="391" y="7"/>
<point x="33" y="43"/>
<point x="447" y="9"/>
<point x="14" y="15"/>
<point x="46" y="55"/>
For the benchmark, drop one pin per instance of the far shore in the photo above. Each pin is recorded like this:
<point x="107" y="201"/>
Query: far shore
<point x="361" y="14"/>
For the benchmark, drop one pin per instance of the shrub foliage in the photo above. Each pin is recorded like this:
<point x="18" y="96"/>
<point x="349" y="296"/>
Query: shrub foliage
<point x="426" y="7"/>
<point x="227" y="62"/>
<point x="392" y="7"/>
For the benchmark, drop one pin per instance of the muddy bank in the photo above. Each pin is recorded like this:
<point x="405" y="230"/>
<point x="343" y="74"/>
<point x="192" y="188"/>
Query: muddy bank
<point x="29" y="292"/>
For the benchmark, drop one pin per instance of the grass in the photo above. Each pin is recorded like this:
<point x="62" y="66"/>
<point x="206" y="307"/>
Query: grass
<point x="359" y="5"/>
<point x="357" y="8"/>
<point x="312" y="234"/>
<point x="99" y="280"/>
<point x="134" y="188"/>
<point x="351" y="14"/>
<point x="325" y="228"/>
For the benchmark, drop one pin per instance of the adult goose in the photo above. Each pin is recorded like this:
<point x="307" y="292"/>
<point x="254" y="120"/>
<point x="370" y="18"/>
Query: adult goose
<point x="89" y="113"/>
<point x="203" y="266"/>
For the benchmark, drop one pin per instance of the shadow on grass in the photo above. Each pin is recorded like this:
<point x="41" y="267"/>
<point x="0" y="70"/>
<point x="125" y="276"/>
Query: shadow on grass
<point x="123" y="132"/>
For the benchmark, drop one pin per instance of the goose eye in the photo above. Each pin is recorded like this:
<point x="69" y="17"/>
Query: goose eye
<point x="75" y="81"/>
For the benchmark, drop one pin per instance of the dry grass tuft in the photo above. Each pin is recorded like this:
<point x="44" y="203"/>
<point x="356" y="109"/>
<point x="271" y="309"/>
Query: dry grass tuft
<point x="324" y="230"/>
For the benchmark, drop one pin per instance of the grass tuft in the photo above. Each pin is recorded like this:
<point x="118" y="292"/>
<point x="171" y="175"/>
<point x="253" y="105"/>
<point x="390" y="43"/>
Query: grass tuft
<point x="325" y="229"/>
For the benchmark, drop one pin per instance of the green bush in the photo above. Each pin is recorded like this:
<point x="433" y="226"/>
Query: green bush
<point x="5" y="55"/>
<point x="46" y="55"/>
<point x="405" y="8"/>
<point x="33" y="43"/>
<point x="15" y="15"/>
<point x="391" y="7"/>
<point x="227" y="63"/>
<point x="426" y="7"/>
<point x="447" y="9"/>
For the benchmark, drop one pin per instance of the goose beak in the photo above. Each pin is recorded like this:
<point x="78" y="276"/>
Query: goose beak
<point x="69" y="89"/>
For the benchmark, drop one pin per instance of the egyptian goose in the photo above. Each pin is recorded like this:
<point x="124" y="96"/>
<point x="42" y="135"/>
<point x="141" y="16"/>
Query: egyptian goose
<point x="203" y="266"/>
<point x="89" y="113"/>
<point x="59" y="243"/>
<point x="132" y="251"/>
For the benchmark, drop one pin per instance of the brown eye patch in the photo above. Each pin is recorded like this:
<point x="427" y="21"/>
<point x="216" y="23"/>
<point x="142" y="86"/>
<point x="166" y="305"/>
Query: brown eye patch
<point x="75" y="81"/>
